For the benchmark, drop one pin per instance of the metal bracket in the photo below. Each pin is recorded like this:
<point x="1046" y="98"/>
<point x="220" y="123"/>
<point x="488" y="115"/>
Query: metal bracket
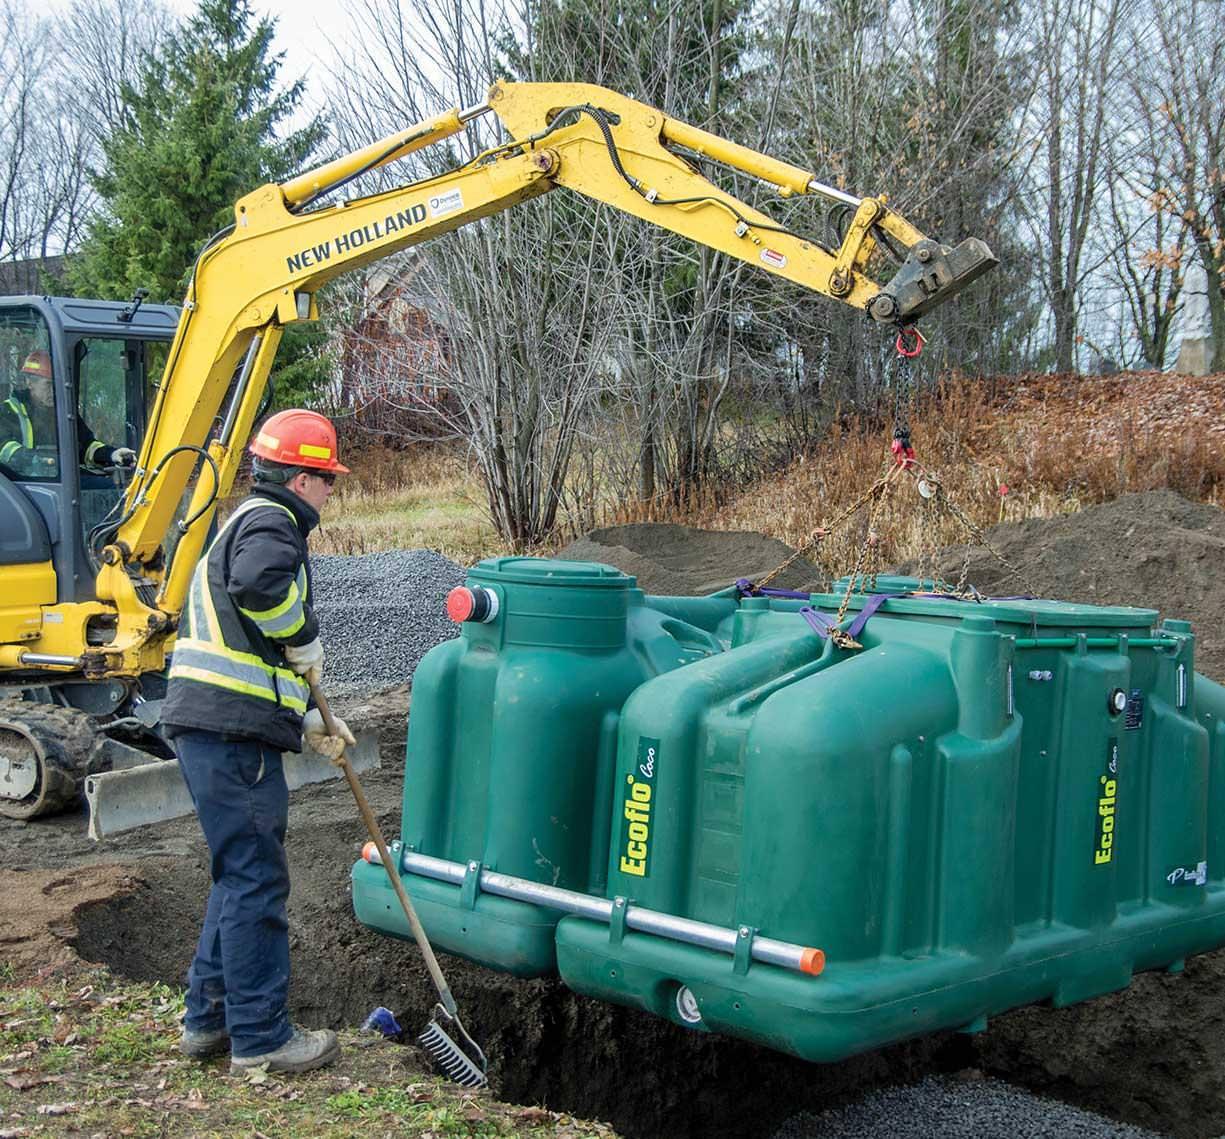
<point x="742" y="955"/>
<point x="616" y="920"/>
<point x="471" y="888"/>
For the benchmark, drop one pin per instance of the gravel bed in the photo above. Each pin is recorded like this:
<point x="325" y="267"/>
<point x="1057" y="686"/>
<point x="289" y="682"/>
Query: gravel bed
<point x="952" y="1106"/>
<point x="379" y="614"/>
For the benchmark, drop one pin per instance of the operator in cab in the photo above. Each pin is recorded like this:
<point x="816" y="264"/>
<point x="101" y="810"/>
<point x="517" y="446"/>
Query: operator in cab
<point x="27" y="428"/>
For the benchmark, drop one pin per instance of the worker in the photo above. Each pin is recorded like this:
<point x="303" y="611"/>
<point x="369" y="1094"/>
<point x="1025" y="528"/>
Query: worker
<point x="247" y="649"/>
<point x="27" y="422"/>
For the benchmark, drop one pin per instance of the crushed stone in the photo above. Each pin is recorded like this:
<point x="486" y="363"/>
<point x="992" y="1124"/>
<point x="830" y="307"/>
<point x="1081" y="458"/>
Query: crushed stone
<point x="379" y="614"/>
<point x="952" y="1106"/>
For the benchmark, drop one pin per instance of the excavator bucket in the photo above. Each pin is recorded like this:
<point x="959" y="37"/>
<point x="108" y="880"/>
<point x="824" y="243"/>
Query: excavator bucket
<point x="151" y="792"/>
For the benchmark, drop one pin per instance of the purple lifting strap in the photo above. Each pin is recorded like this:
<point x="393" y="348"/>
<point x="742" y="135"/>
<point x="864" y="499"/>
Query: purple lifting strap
<point x="748" y="589"/>
<point x="823" y="625"/>
<point x="869" y="607"/>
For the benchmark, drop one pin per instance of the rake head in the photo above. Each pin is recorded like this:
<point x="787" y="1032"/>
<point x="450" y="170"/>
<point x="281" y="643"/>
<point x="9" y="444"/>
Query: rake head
<point x="452" y="1051"/>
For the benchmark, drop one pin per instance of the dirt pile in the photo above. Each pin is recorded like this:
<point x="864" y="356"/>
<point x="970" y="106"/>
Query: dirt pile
<point x="1155" y="550"/>
<point x="684" y="561"/>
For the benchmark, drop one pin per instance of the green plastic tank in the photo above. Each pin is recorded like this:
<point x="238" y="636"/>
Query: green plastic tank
<point x="709" y="809"/>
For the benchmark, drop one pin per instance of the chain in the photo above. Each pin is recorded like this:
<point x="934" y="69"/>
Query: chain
<point x="975" y="532"/>
<point x="881" y="490"/>
<point x="826" y="528"/>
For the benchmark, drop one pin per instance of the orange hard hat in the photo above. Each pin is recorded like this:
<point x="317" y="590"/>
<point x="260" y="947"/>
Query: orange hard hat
<point x="299" y="438"/>
<point x="38" y="363"/>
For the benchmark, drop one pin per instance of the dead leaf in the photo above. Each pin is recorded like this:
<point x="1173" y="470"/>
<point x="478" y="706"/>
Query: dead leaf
<point x="13" y="1132"/>
<point x="532" y="1115"/>
<point x="57" y="1108"/>
<point x="25" y="1083"/>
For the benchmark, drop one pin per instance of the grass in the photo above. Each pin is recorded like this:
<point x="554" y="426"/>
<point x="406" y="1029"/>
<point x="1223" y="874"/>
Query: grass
<point x="421" y="497"/>
<point x="85" y="1053"/>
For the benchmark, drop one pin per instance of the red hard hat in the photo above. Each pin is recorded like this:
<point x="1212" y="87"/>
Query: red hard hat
<point x="38" y="363"/>
<point x="299" y="438"/>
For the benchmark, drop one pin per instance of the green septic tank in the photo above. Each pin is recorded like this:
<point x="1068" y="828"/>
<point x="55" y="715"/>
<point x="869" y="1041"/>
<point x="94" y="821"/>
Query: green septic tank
<point x="703" y="808"/>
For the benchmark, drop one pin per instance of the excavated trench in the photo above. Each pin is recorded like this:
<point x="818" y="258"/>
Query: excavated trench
<point x="1149" y="1055"/>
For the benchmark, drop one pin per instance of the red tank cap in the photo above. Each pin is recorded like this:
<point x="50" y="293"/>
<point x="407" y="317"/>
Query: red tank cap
<point x="460" y="604"/>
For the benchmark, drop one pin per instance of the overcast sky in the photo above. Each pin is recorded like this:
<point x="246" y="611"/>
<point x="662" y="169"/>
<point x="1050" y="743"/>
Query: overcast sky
<point x="302" y="27"/>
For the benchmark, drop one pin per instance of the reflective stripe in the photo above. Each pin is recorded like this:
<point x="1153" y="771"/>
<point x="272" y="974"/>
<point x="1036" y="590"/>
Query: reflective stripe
<point x="282" y="621"/>
<point x="240" y="672"/>
<point x="311" y="451"/>
<point x="209" y="629"/>
<point x="201" y="654"/>
<point x="9" y="450"/>
<point x="24" y="424"/>
<point x="220" y="680"/>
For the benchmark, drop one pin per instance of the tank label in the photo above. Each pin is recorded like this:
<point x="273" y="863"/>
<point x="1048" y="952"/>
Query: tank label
<point x="1188" y="875"/>
<point x="1108" y="788"/>
<point x="636" y="809"/>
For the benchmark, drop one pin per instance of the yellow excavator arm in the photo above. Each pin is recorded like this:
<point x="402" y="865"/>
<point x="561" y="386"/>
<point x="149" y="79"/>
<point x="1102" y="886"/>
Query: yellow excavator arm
<point x="262" y="274"/>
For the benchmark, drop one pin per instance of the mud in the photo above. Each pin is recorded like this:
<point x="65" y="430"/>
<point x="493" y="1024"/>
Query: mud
<point x="1149" y="1055"/>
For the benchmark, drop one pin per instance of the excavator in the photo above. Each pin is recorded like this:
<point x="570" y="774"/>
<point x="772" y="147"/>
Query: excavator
<point x="95" y="564"/>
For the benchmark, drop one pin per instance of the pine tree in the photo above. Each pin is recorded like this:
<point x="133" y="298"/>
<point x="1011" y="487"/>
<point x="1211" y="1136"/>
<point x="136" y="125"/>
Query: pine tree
<point x="199" y="129"/>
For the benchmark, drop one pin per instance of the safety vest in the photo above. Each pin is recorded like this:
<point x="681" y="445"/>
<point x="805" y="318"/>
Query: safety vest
<point x="24" y="424"/>
<point x="246" y="686"/>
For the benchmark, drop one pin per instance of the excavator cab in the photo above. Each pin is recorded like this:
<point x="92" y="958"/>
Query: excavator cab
<point x="77" y="379"/>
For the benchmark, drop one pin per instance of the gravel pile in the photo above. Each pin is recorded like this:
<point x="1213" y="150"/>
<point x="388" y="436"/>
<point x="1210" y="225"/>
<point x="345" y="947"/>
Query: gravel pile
<point x="951" y="1107"/>
<point x="379" y="614"/>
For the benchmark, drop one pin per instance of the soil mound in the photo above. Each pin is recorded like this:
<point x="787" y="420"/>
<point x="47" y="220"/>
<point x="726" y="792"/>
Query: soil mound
<point x="1155" y="550"/>
<point x="685" y="561"/>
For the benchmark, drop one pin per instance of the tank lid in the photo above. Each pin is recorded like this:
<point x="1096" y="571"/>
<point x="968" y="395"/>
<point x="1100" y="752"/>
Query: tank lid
<point x="552" y="571"/>
<point x="1031" y="612"/>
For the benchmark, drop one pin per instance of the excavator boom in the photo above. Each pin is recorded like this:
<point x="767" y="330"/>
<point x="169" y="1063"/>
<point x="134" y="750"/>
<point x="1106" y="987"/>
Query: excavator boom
<point x="262" y="273"/>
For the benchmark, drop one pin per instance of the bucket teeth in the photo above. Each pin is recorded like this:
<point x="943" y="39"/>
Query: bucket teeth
<point x="449" y="1058"/>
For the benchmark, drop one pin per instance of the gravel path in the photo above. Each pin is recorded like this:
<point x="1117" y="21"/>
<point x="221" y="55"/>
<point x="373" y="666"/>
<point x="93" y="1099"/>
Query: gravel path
<point x="379" y="614"/>
<point x="950" y="1107"/>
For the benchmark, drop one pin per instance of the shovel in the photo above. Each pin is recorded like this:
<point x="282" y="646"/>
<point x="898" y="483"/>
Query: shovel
<point x="445" y="1040"/>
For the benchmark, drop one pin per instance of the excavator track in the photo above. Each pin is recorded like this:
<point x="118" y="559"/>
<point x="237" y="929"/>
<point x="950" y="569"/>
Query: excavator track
<point x="45" y="753"/>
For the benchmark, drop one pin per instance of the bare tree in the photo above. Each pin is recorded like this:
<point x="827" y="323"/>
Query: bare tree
<point x="1080" y="65"/>
<point x="527" y="302"/>
<point x="1189" y="85"/>
<point x="61" y="92"/>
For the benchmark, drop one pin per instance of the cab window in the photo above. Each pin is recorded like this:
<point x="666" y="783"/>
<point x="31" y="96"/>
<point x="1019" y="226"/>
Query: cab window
<point x="29" y="447"/>
<point x="102" y="391"/>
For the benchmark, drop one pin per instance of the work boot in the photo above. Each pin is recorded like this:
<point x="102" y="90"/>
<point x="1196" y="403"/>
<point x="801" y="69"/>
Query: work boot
<point x="204" y="1045"/>
<point x="304" y="1050"/>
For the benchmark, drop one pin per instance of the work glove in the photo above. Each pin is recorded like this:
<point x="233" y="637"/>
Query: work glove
<point x="306" y="660"/>
<point x="315" y="733"/>
<point x="123" y="457"/>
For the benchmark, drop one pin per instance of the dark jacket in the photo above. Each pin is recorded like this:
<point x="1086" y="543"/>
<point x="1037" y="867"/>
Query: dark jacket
<point x="250" y="597"/>
<point x="25" y="425"/>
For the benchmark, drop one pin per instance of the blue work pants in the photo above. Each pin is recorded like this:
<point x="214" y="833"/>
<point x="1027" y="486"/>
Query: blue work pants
<point x="239" y="978"/>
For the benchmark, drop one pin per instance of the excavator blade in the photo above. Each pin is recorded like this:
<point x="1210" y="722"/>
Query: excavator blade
<point x="151" y="792"/>
<point x="930" y="275"/>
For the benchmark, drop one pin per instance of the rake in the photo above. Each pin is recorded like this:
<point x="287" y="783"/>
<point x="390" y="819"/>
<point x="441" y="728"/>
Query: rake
<point x="444" y="1039"/>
